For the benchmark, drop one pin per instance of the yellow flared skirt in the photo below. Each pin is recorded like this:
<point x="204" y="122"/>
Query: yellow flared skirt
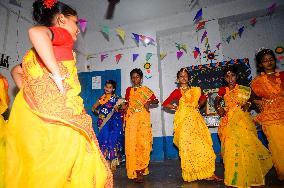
<point x="138" y="143"/>
<point x="194" y="141"/>
<point x="246" y="160"/>
<point x="45" y="155"/>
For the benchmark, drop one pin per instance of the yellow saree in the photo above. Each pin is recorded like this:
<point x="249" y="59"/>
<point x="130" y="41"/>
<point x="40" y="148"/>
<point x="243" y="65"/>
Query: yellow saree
<point x="138" y="132"/>
<point x="246" y="160"/>
<point x="4" y="101"/>
<point x="193" y="138"/>
<point x="272" y="117"/>
<point x="50" y="140"/>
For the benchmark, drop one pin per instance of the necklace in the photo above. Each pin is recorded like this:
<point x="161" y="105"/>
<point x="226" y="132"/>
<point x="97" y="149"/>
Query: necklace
<point x="184" y="88"/>
<point x="270" y="73"/>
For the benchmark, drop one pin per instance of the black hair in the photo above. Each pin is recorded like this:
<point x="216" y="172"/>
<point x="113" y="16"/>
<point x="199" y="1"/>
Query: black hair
<point x="113" y="83"/>
<point x="45" y="16"/>
<point x="137" y="71"/>
<point x="233" y="69"/>
<point x="259" y="56"/>
<point x="230" y="68"/>
<point x="183" y="70"/>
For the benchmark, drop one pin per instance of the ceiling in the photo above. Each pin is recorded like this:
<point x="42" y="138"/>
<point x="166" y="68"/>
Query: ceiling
<point x="129" y="11"/>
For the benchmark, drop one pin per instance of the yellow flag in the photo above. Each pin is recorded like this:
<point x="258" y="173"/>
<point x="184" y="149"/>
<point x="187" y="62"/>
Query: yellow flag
<point x="120" y="32"/>
<point x="163" y="55"/>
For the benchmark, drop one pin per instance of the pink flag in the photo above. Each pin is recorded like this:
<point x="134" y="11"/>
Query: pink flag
<point x="179" y="54"/>
<point x="83" y="24"/>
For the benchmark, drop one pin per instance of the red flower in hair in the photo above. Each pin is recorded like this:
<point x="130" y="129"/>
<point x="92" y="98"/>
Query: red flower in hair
<point x="49" y="3"/>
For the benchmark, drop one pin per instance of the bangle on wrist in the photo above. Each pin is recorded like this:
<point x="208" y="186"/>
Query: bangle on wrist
<point x="56" y="77"/>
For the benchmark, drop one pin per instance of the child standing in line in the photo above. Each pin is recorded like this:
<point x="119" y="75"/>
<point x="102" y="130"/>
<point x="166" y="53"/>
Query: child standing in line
<point x="191" y="134"/>
<point x="110" y="125"/>
<point x="246" y="160"/>
<point x="138" y="132"/>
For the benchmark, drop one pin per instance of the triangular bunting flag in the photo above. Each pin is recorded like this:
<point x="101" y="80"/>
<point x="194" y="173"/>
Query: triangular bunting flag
<point x="103" y="56"/>
<point x="200" y="25"/>
<point x="195" y="54"/>
<point x="163" y="55"/>
<point x="134" y="57"/>
<point x="179" y="54"/>
<point x="83" y="24"/>
<point x="253" y="22"/>
<point x="241" y="30"/>
<point x="105" y="30"/>
<point x="136" y="37"/>
<point x="178" y="46"/>
<point x="234" y="35"/>
<point x="197" y="49"/>
<point x="148" y="56"/>
<point x="118" y="57"/>
<point x="121" y="33"/>
<point x="183" y="47"/>
<point x="198" y="16"/>
<point x="271" y="9"/>
<point x="203" y="36"/>
<point x="218" y="45"/>
<point x="228" y="39"/>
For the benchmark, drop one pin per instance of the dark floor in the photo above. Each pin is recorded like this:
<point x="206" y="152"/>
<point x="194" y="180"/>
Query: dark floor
<point x="167" y="174"/>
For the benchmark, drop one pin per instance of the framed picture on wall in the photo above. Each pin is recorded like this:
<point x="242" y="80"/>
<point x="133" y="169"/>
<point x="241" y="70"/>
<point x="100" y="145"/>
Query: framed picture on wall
<point x="209" y="109"/>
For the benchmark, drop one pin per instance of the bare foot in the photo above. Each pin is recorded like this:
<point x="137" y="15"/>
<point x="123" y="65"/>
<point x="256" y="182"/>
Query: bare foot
<point x="214" y="178"/>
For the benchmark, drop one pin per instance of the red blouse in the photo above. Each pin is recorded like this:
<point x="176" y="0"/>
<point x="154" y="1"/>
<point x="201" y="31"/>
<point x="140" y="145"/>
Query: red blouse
<point x="176" y="95"/>
<point x="62" y="43"/>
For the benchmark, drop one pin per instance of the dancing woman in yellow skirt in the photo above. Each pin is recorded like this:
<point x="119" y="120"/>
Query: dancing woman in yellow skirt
<point x="246" y="160"/>
<point x="50" y="140"/>
<point x="269" y="87"/>
<point x="4" y="102"/>
<point x="191" y="134"/>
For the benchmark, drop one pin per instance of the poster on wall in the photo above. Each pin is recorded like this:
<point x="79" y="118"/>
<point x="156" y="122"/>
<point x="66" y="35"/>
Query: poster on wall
<point x="210" y="78"/>
<point x="96" y="82"/>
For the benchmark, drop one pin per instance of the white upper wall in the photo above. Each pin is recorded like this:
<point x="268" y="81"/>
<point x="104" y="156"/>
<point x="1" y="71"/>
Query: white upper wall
<point x="159" y="19"/>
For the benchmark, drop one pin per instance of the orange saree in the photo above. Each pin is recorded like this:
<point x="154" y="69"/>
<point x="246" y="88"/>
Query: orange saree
<point x="138" y="132"/>
<point x="272" y="116"/>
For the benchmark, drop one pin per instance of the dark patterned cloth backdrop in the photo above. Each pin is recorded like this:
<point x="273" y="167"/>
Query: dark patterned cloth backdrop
<point x="210" y="78"/>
